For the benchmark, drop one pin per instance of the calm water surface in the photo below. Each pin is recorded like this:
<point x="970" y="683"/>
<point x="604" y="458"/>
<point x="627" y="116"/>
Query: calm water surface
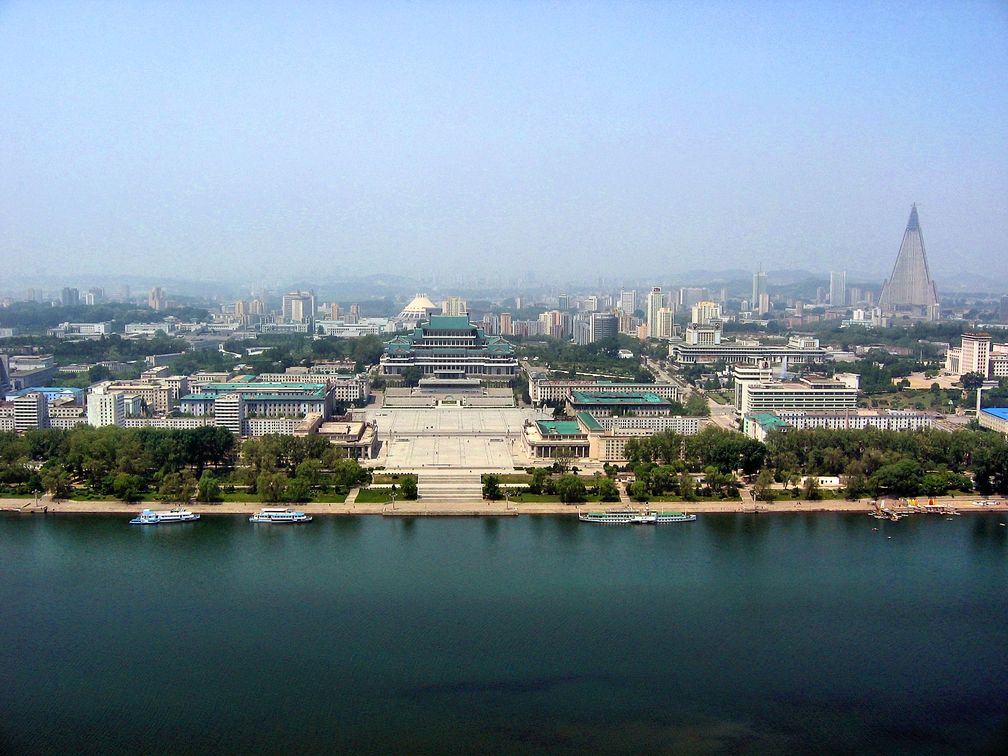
<point x="735" y="633"/>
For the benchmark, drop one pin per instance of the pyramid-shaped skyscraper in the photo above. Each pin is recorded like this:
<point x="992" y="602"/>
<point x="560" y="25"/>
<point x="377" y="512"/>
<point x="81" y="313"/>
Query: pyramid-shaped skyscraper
<point x="910" y="291"/>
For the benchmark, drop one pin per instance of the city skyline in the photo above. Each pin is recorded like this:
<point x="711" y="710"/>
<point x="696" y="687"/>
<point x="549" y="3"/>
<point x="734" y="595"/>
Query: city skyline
<point x="161" y="140"/>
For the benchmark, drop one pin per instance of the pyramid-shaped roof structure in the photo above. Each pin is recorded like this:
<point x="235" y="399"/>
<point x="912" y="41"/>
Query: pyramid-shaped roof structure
<point x="910" y="287"/>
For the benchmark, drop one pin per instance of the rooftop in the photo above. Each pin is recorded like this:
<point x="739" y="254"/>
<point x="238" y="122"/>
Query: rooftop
<point x="610" y="397"/>
<point x="589" y="422"/>
<point x="449" y="323"/>
<point x="559" y="428"/>
<point x="1001" y="413"/>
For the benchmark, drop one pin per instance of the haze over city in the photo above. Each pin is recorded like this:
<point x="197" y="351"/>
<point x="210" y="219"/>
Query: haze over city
<point x="243" y="141"/>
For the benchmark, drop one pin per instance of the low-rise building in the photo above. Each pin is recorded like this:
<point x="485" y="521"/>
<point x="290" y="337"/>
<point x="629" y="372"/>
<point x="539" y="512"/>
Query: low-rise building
<point x="543" y="390"/>
<point x="81" y="330"/>
<point x="758" y="425"/>
<point x="995" y="418"/>
<point x="709" y="348"/>
<point x="605" y="403"/>
<point x="599" y="439"/>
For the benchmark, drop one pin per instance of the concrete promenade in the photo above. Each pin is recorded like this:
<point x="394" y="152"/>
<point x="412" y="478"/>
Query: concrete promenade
<point x="474" y="507"/>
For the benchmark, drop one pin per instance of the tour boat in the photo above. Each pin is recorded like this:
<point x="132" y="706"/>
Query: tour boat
<point x="619" y="517"/>
<point x="151" y="517"/>
<point x="278" y="514"/>
<point x="664" y="518"/>
<point x="632" y="517"/>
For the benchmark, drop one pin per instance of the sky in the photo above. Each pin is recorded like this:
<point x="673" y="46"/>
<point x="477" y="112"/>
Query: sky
<point x="250" y="141"/>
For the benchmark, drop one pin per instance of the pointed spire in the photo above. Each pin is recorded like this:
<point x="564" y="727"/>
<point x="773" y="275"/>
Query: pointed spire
<point x="913" y="224"/>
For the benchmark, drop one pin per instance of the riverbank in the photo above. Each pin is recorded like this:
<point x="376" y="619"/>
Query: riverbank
<point x="46" y="505"/>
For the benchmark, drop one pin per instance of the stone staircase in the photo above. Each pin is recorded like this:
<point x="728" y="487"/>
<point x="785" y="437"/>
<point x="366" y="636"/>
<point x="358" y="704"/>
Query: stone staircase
<point x="449" y="487"/>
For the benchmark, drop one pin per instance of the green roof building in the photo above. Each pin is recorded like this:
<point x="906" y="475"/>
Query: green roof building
<point x="451" y="347"/>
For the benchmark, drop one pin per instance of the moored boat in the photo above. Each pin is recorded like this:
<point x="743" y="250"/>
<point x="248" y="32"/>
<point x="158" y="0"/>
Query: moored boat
<point x="619" y="517"/>
<point x="152" y="517"/>
<point x="279" y="515"/>
<point x="664" y="518"/>
<point x="633" y="517"/>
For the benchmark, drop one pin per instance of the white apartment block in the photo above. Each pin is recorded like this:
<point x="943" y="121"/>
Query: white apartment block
<point x="105" y="408"/>
<point x="810" y="394"/>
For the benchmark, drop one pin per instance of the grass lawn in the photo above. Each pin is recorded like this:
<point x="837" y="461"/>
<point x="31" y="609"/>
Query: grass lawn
<point x="527" y="498"/>
<point x="376" y="496"/>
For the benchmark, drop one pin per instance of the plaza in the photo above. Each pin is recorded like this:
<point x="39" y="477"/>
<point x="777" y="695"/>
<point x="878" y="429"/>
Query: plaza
<point x="451" y="438"/>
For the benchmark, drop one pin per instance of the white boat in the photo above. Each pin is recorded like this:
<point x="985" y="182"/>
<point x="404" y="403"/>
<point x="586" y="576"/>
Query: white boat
<point x="665" y="518"/>
<point x="279" y="515"/>
<point x="152" y="517"/>
<point x="633" y="517"/>
<point x="619" y="517"/>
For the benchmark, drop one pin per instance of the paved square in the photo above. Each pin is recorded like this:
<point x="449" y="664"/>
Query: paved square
<point x="451" y="438"/>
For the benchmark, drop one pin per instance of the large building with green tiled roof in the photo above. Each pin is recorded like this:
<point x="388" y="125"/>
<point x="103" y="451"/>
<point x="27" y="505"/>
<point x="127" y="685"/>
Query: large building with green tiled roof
<point x="451" y="347"/>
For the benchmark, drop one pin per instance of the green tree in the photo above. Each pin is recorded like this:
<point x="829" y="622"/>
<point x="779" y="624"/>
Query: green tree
<point x="763" y="487"/>
<point x="57" y="482"/>
<point x="409" y="487"/>
<point x="270" y="486"/>
<point x="126" y="487"/>
<point x="176" y="487"/>
<point x="607" y="490"/>
<point x="810" y="491"/>
<point x="208" y="488"/>
<point x="491" y="487"/>
<point x="639" y="490"/>
<point x="697" y="406"/>
<point x="539" y="477"/>
<point x="571" y="489"/>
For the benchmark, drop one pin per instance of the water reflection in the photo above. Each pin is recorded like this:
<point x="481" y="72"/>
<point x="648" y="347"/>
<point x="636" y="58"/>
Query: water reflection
<point x="990" y="530"/>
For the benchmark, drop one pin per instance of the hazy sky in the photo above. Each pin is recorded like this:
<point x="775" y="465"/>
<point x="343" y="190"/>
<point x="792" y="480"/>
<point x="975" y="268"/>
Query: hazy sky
<point x="241" y="140"/>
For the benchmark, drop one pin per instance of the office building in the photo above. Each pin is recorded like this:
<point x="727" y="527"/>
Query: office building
<point x="545" y="390"/>
<point x="810" y="394"/>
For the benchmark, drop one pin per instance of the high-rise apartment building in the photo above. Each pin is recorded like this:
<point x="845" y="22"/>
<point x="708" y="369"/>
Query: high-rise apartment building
<point x="563" y="302"/>
<point x="506" y="328"/>
<point x="454" y="307"/>
<point x="655" y="301"/>
<point x="156" y="300"/>
<point x="628" y="301"/>
<point x="702" y="313"/>
<point x="69" y="297"/>
<point x="838" y="288"/>
<point x="299" y="307"/>
<point x="759" y="291"/>
<point x="666" y="322"/>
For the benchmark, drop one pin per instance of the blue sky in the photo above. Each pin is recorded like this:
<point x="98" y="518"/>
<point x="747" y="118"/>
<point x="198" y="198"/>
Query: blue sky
<point x="243" y="140"/>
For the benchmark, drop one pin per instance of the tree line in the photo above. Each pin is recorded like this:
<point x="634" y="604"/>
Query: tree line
<point x="173" y="465"/>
